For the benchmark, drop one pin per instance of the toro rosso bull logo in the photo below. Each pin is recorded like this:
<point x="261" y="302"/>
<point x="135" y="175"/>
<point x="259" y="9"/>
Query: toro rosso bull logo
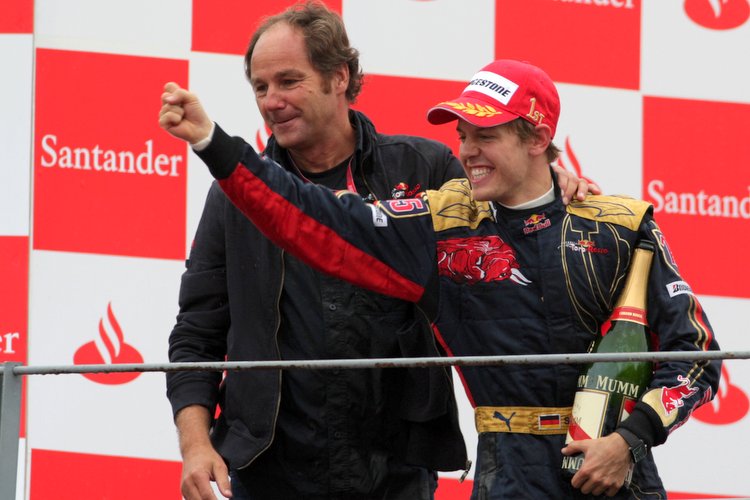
<point x="673" y="397"/>
<point x="480" y="259"/>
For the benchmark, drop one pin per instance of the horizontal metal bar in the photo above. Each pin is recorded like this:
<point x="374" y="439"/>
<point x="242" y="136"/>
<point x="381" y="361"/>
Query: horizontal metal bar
<point x="537" y="359"/>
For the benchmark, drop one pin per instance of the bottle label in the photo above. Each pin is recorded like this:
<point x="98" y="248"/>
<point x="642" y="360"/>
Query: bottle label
<point x="587" y="420"/>
<point x="632" y="314"/>
<point x="609" y="384"/>
<point x="572" y="463"/>
<point x="627" y="407"/>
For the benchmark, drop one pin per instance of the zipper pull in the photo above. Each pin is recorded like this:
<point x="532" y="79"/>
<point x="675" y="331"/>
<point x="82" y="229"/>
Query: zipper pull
<point x="466" y="471"/>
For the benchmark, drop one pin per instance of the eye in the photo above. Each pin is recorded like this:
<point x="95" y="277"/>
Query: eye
<point x="260" y="90"/>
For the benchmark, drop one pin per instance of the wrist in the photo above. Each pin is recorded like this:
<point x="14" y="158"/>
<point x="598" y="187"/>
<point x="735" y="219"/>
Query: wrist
<point x="637" y="448"/>
<point x="203" y="143"/>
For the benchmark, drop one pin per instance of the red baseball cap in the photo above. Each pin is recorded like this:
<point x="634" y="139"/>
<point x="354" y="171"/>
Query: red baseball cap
<point x="500" y="92"/>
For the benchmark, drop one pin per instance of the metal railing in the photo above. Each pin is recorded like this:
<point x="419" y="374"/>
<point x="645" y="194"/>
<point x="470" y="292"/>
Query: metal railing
<point x="12" y="373"/>
<point x="10" y="427"/>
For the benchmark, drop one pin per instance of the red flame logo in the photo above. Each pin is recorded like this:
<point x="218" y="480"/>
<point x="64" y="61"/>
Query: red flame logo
<point x="109" y="348"/>
<point x="574" y="166"/>
<point x="261" y="138"/>
<point x="730" y="405"/>
<point x="718" y="14"/>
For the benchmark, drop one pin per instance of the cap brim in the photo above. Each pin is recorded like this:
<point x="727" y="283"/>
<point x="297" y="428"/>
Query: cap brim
<point x="473" y="111"/>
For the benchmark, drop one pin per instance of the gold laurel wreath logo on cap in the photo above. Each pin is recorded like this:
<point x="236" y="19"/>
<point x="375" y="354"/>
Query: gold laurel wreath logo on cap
<point x="473" y="109"/>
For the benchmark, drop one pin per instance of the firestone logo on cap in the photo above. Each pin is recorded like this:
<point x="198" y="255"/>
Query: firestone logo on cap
<point x="492" y="85"/>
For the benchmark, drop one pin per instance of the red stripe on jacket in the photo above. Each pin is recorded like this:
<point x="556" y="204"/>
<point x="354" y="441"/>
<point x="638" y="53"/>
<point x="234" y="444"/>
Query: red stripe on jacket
<point x="449" y="353"/>
<point x="314" y="243"/>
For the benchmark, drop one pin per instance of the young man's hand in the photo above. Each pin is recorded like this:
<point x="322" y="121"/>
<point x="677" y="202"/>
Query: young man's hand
<point x="182" y="115"/>
<point x="605" y="465"/>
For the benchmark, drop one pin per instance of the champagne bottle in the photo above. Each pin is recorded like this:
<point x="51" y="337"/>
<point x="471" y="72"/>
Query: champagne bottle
<point x="607" y="391"/>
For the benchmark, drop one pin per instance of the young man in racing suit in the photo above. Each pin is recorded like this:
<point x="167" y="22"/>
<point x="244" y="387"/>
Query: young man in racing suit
<point x="501" y="267"/>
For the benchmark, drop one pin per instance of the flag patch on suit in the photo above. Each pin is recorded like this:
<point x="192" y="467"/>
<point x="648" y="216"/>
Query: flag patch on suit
<point x="549" y="421"/>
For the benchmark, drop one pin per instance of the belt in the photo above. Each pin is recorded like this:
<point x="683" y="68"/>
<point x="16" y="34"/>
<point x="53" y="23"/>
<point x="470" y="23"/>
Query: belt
<point x="522" y="419"/>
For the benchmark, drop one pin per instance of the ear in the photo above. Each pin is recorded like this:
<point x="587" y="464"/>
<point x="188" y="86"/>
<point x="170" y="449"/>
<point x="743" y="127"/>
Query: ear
<point x="340" y="78"/>
<point x="540" y="141"/>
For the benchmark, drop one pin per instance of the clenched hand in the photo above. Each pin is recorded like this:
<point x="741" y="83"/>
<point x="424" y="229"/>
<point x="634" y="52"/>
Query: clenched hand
<point x="182" y="114"/>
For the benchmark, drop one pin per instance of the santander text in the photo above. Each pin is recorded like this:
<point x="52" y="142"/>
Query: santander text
<point x="6" y="342"/>
<point x="700" y="203"/>
<point x="107" y="160"/>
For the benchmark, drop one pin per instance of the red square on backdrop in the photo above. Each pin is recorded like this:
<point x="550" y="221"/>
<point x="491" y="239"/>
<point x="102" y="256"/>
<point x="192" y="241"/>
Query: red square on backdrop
<point x="399" y="105"/>
<point x="226" y="27"/>
<point x="107" y="178"/>
<point x="14" y="310"/>
<point x="574" y="42"/>
<point x="695" y="174"/>
<point x="79" y="476"/>
<point x="17" y="16"/>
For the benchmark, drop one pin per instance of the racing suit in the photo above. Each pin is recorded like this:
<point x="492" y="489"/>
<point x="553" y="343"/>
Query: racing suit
<point x="496" y="281"/>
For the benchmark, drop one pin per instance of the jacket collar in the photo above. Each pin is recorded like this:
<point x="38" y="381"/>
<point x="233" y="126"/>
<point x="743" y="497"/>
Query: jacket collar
<point x="366" y="138"/>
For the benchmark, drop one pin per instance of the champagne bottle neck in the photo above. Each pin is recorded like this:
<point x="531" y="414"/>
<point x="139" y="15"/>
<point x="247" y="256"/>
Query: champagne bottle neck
<point x="631" y="314"/>
<point x="631" y="304"/>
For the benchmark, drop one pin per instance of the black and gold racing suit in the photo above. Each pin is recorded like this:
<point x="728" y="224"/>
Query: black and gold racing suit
<point x="496" y="281"/>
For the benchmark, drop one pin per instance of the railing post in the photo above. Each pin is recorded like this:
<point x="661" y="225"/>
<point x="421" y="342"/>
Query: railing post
<point x="10" y="427"/>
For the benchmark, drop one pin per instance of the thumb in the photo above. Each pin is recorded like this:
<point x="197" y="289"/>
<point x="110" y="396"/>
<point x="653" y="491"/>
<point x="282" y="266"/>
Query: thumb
<point x="173" y="94"/>
<point x="573" y="448"/>
<point x="171" y="87"/>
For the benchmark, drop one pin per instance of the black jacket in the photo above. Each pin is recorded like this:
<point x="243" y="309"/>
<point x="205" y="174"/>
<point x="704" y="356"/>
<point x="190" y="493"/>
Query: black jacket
<point x="229" y="306"/>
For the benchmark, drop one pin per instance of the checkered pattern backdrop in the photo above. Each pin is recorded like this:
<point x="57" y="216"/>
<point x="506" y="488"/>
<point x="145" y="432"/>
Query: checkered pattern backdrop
<point x="99" y="205"/>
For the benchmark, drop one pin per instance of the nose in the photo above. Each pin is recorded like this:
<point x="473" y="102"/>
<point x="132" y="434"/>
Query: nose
<point x="467" y="149"/>
<point x="274" y="98"/>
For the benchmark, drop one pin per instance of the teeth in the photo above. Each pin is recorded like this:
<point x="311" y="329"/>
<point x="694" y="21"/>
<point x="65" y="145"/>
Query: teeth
<point x="478" y="173"/>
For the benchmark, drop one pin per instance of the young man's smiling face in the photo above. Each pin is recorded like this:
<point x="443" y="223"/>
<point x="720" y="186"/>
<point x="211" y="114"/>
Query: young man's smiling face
<point x="496" y="162"/>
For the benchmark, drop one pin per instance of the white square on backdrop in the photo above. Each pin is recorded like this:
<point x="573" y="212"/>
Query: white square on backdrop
<point x="16" y="54"/>
<point x="441" y="39"/>
<point x="70" y="295"/>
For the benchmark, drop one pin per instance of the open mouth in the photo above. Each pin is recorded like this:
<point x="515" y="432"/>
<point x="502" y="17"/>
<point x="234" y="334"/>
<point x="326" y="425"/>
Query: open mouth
<point x="478" y="173"/>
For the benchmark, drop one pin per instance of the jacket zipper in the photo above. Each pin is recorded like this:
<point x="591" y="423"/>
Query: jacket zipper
<point x="278" y="356"/>
<point x="370" y="191"/>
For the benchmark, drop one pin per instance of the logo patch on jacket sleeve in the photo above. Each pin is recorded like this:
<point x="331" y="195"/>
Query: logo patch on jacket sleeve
<point x="379" y="219"/>
<point x="409" y="207"/>
<point x="678" y="288"/>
